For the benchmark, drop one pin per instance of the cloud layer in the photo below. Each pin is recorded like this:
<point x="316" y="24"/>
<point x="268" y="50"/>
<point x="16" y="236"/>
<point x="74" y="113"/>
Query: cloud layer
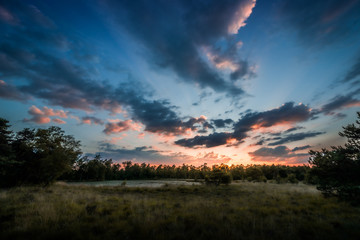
<point x="287" y="114"/>
<point x="174" y="32"/>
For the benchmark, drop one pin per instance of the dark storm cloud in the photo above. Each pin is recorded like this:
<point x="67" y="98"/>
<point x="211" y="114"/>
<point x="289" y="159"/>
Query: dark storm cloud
<point x="293" y="129"/>
<point x="340" y="102"/>
<point x="260" y="142"/>
<point x="159" y="117"/>
<point x="10" y="92"/>
<point x="38" y="53"/>
<point x="212" y="140"/>
<point x="221" y="123"/>
<point x="320" y="22"/>
<point x="174" y="31"/>
<point x="300" y="148"/>
<point x="280" y="153"/>
<point x="288" y="113"/>
<point x="295" y="137"/>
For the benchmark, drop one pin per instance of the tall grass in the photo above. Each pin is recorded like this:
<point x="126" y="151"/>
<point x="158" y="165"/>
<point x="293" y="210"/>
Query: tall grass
<point x="239" y="211"/>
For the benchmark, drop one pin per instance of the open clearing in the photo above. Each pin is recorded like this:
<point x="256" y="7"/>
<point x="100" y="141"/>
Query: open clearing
<point x="240" y="211"/>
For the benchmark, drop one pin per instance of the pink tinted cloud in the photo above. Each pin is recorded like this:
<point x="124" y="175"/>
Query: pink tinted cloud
<point x="42" y="116"/>
<point x="51" y="112"/>
<point x="141" y="135"/>
<point x="113" y="107"/>
<point x="58" y="120"/>
<point x="113" y="140"/>
<point x="241" y="15"/>
<point x="121" y="126"/>
<point x="6" y="16"/>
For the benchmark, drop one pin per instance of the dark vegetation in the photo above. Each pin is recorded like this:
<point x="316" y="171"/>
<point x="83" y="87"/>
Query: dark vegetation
<point x="98" y="169"/>
<point x="35" y="156"/>
<point x="337" y="171"/>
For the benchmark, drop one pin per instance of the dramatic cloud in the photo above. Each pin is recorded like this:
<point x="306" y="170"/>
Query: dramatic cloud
<point x="174" y="31"/>
<point x="318" y="22"/>
<point x="221" y="123"/>
<point x="158" y="117"/>
<point x="121" y="126"/>
<point x="228" y="59"/>
<point x="340" y="102"/>
<point x="287" y="114"/>
<point x="293" y="129"/>
<point x="242" y="13"/>
<point x="43" y="116"/>
<point x="209" y="141"/>
<point x="278" y="154"/>
<point x="91" y="120"/>
<point x="71" y="82"/>
<point x="295" y="137"/>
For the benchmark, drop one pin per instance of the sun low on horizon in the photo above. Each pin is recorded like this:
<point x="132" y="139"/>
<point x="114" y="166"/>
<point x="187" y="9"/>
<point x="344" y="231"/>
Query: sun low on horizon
<point x="193" y="82"/>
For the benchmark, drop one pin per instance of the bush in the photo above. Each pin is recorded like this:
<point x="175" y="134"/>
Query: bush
<point x="218" y="176"/>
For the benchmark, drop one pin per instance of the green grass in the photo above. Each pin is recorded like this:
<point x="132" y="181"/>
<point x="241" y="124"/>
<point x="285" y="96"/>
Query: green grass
<point x="238" y="211"/>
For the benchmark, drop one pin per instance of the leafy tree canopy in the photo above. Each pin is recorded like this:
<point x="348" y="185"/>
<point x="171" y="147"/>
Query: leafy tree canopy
<point x="338" y="170"/>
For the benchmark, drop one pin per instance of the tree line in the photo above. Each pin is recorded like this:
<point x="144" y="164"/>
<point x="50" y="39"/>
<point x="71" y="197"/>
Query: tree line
<point x="98" y="169"/>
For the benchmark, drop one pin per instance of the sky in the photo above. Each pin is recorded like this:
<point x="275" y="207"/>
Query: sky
<point x="194" y="82"/>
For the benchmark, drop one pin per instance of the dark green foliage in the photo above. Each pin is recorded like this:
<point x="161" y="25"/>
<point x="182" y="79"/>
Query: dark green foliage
<point x="35" y="156"/>
<point x="97" y="169"/>
<point x="7" y="160"/>
<point x="337" y="171"/>
<point x="219" y="175"/>
<point x="254" y="173"/>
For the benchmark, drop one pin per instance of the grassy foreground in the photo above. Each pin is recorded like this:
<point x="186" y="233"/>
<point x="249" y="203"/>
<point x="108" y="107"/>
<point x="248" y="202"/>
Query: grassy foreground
<point x="238" y="211"/>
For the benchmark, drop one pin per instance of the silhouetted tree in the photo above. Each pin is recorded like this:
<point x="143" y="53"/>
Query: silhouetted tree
<point x="8" y="163"/>
<point x="338" y="170"/>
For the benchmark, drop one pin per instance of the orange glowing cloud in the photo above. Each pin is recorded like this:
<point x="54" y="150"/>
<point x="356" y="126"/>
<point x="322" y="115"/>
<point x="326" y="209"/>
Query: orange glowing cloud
<point x="42" y="116"/>
<point x="121" y="126"/>
<point x="220" y="63"/>
<point x="113" y="140"/>
<point x="141" y="135"/>
<point x="59" y="121"/>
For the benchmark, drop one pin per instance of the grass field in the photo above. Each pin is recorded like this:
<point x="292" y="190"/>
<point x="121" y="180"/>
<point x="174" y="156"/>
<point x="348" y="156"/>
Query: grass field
<point x="239" y="211"/>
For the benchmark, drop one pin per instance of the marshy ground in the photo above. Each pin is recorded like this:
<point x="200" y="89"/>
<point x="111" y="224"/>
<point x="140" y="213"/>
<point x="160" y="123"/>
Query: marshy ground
<point x="239" y="211"/>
